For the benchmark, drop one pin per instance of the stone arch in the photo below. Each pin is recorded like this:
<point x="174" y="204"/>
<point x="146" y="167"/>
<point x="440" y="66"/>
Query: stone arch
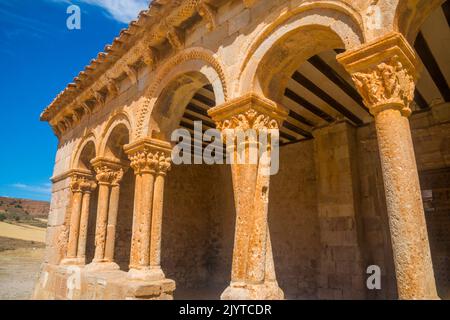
<point x="411" y="14"/>
<point x="189" y="61"/>
<point x="89" y="138"/>
<point x="334" y="21"/>
<point x="120" y="119"/>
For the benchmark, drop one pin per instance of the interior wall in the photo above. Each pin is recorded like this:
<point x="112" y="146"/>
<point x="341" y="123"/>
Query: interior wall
<point x="198" y="229"/>
<point x="293" y="221"/>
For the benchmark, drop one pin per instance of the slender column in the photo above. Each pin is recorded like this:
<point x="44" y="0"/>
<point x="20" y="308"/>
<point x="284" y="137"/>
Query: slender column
<point x="74" y="217"/>
<point x="109" y="174"/>
<point x="135" y="238"/>
<point x="244" y="178"/>
<point x="384" y="73"/>
<point x="102" y="216"/>
<point x="163" y="167"/>
<point x="148" y="179"/>
<point x="150" y="159"/>
<point x="249" y="124"/>
<point x="86" y="203"/>
<point x="112" y="216"/>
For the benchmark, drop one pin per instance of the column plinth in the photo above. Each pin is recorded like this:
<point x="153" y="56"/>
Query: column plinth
<point x="384" y="73"/>
<point x="248" y="125"/>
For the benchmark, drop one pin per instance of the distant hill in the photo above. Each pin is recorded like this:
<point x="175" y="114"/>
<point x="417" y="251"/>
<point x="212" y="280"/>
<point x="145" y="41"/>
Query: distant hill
<point x="33" y="208"/>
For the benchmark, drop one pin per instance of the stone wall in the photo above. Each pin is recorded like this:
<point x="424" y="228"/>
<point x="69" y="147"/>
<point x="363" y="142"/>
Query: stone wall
<point x="198" y="227"/>
<point x="293" y="222"/>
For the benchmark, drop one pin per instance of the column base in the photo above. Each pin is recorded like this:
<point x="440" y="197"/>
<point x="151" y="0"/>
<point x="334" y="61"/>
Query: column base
<point x="146" y="274"/>
<point x="245" y="291"/>
<point x="151" y="290"/>
<point x="72" y="262"/>
<point x="102" y="266"/>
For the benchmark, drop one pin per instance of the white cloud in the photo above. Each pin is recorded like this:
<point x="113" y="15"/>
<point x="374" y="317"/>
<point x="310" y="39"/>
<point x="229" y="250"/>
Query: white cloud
<point x="43" y="189"/>
<point x="121" y="10"/>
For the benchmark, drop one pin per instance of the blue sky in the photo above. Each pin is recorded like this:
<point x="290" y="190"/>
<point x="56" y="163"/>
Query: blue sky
<point x="39" y="56"/>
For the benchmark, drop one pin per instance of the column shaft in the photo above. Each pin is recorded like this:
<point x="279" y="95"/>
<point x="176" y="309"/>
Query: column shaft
<point x="112" y="222"/>
<point x="256" y="269"/>
<point x="244" y="177"/>
<point x="102" y="218"/>
<point x="81" y="254"/>
<point x="74" y="224"/>
<point x="156" y="226"/>
<point x="412" y="258"/>
<point x="135" y="238"/>
<point x="144" y="228"/>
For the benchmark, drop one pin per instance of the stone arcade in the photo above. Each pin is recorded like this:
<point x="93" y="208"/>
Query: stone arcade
<point x="358" y="90"/>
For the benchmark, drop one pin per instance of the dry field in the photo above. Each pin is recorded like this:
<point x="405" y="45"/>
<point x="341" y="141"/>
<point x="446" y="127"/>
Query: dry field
<point x="21" y="253"/>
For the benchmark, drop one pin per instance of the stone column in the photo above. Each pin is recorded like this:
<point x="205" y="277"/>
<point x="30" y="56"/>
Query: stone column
<point x="112" y="216"/>
<point x="109" y="174"/>
<point x="80" y="184"/>
<point x="88" y="187"/>
<point x="163" y="167"/>
<point x="74" y="217"/>
<point x="244" y="122"/>
<point x="384" y="73"/>
<point x="150" y="160"/>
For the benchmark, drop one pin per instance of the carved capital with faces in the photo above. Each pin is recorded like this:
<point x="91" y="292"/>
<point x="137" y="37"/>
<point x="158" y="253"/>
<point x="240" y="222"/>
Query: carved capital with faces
<point x="82" y="183"/>
<point x="150" y="156"/>
<point x="384" y="73"/>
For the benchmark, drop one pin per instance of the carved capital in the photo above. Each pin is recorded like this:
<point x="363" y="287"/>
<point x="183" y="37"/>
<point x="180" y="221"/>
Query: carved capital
<point x="384" y="73"/>
<point x="249" y="112"/>
<point x="150" y="156"/>
<point x="82" y="182"/>
<point x="108" y="171"/>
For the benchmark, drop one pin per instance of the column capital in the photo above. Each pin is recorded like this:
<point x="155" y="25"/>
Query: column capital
<point x="82" y="181"/>
<point x="149" y="155"/>
<point x="384" y="72"/>
<point x="109" y="171"/>
<point x="250" y="111"/>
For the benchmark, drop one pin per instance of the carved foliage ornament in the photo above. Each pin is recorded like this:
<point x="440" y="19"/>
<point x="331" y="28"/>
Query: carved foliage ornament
<point x="250" y="119"/>
<point x="146" y="160"/>
<point x="388" y="83"/>
<point x="106" y="174"/>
